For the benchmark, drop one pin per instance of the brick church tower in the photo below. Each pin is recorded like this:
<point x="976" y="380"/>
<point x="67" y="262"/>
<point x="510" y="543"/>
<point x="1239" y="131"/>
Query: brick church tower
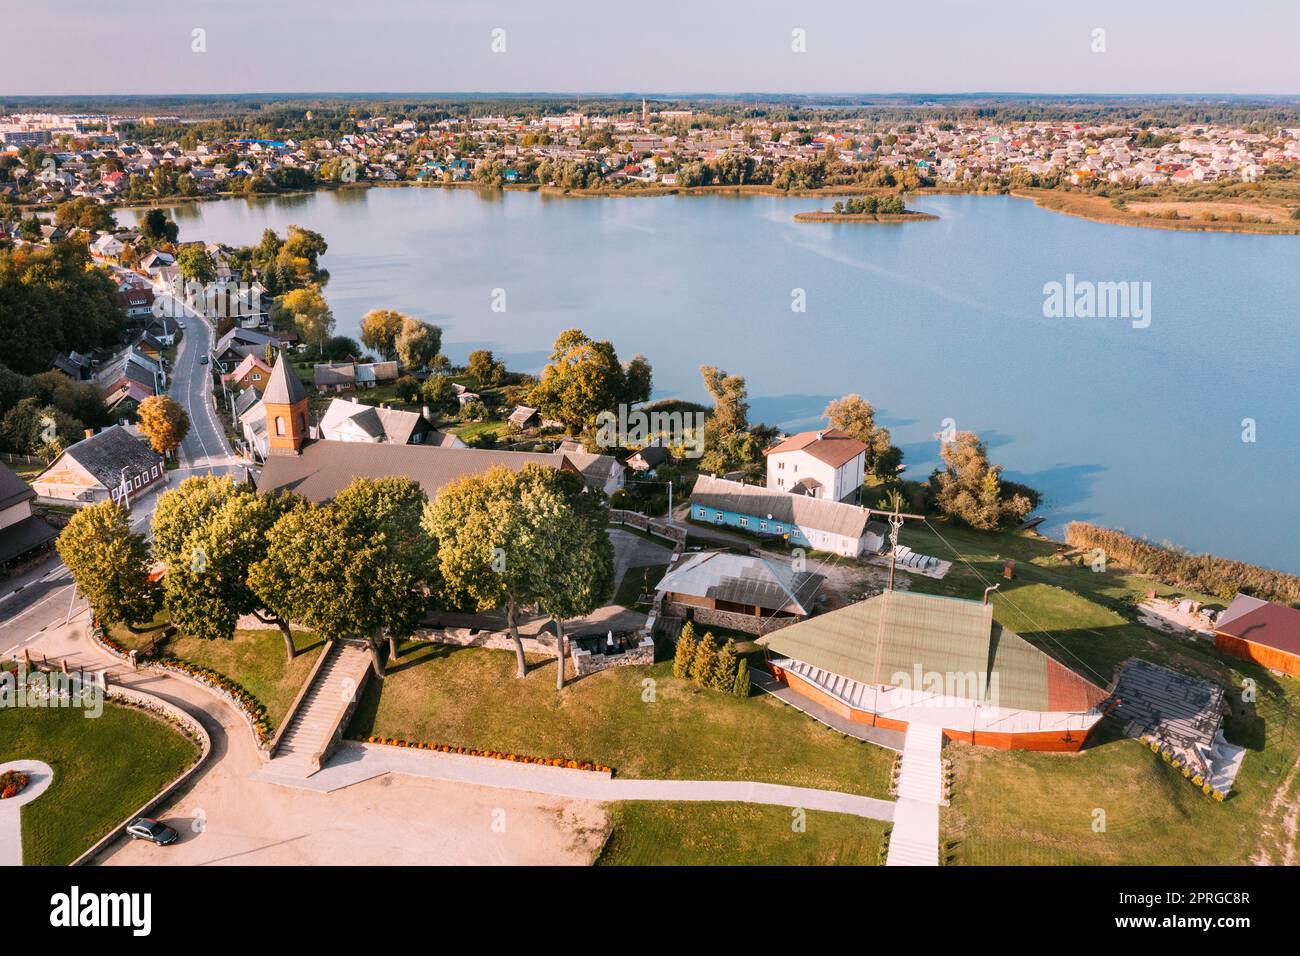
<point x="285" y="401"/>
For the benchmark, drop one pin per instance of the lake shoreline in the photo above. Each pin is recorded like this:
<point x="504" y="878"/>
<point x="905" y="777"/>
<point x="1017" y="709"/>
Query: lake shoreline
<point x="1099" y="209"/>
<point x="869" y="217"/>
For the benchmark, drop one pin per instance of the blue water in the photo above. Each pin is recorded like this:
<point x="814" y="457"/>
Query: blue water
<point x="1132" y="428"/>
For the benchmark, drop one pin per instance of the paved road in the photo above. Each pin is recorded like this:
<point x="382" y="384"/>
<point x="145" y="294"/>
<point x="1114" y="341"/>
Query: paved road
<point x="47" y="599"/>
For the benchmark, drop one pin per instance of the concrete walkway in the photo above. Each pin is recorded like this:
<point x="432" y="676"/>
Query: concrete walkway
<point x="915" y="838"/>
<point x="356" y="762"/>
<point x="880" y="736"/>
<point x="40" y="775"/>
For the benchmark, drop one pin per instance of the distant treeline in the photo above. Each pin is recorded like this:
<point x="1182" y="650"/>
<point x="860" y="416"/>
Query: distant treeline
<point x="1208" y="573"/>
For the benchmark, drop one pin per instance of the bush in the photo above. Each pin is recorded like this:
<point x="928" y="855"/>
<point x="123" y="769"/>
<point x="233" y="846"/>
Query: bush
<point x="407" y="389"/>
<point x="685" y="652"/>
<point x="724" y="667"/>
<point x="703" y="661"/>
<point x="740" y="687"/>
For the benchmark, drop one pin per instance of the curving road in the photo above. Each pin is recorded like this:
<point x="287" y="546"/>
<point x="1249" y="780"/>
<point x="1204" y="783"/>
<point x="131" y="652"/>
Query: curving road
<point x="46" y="598"/>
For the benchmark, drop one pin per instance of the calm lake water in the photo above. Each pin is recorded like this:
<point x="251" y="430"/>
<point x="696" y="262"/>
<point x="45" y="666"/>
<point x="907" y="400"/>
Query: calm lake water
<point x="1133" y="428"/>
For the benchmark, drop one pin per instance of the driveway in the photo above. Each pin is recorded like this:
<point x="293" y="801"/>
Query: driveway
<point x="633" y="551"/>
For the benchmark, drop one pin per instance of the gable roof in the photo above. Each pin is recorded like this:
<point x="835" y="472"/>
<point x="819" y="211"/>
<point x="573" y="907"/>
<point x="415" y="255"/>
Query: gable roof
<point x="381" y="424"/>
<point x="13" y="490"/>
<point x="284" y="388"/>
<point x="250" y="362"/>
<point x="821" y="514"/>
<point x="324" y="468"/>
<point x="744" y="579"/>
<point x="830" y="445"/>
<point x="1262" y="622"/>
<point x="106" y="453"/>
<point x="886" y="639"/>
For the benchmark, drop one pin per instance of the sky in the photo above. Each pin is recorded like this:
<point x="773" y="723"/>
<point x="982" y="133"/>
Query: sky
<point x="722" y="46"/>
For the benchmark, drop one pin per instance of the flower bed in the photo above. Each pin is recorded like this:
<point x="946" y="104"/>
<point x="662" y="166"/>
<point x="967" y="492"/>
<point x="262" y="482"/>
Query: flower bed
<point x="493" y="754"/>
<point x="253" y="708"/>
<point x="12" y="783"/>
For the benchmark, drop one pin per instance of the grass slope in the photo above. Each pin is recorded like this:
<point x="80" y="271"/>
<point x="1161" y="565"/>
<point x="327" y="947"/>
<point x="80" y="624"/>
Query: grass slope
<point x="470" y="697"/>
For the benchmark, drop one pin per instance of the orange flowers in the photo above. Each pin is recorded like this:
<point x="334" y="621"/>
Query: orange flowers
<point x="493" y="754"/>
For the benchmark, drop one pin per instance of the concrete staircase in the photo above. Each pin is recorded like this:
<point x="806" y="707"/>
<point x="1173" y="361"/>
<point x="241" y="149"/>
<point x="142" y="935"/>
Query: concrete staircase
<point x="914" y="840"/>
<point x="322" y="708"/>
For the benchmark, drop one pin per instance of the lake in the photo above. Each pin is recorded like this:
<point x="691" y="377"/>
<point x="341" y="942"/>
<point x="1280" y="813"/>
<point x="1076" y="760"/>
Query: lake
<point x="1134" y="428"/>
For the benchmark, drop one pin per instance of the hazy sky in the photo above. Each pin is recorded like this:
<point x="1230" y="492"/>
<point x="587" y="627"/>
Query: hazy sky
<point x="144" y="46"/>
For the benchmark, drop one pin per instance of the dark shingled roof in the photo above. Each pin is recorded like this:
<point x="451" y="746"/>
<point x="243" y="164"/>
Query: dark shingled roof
<point x="105" y="454"/>
<point x="23" y="536"/>
<point x="13" y="490"/>
<point x="285" y="387"/>
<point x="744" y="579"/>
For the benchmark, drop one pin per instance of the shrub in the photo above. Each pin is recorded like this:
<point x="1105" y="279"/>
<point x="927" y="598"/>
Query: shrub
<point x="1223" y="577"/>
<point x="723" y="676"/>
<point x="741" y="685"/>
<point x="702" y="663"/>
<point x="685" y="653"/>
<point x="407" y="389"/>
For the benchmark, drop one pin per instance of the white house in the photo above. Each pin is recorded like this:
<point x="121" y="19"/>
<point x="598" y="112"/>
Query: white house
<point x="820" y="464"/>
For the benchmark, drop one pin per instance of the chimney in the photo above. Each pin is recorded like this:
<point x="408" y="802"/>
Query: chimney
<point x="90" y="433"/>
<point x="426" y="414"/>
<point x="819" y="435"/>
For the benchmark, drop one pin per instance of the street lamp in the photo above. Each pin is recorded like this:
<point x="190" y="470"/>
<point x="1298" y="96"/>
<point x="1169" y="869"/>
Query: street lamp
<point x="126" y="488"/>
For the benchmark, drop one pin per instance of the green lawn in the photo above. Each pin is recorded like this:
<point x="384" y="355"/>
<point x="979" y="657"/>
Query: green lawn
<point x="737" y="834"/>
<point x="104" y="769"/>
<point x="256" y="660"/>
<point x="469" y="697"/>
<point x="473" y="429"/>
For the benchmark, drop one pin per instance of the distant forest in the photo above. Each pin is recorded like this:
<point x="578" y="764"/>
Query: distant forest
<point x="332" y="114"/>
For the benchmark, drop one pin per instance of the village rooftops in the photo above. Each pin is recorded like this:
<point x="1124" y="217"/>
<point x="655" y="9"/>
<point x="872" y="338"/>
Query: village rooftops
<point x="325" y="468"/>
<point x="830" y="446"/>
<point x="820" y="513"/>
<point x="743" y="579"/>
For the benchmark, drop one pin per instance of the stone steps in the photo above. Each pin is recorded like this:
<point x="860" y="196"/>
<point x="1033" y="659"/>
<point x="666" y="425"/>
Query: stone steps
<point x="314" y="722"/>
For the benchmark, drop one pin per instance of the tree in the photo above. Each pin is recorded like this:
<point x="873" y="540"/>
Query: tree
<point x="854" y="416"/>
<point x="970" y="490"/>
<point x="487" y="371"/>
<point x="359" y="567"/>
<point x="164" y="423"/>
<point x="184" y="509"/>
<point x="417" y="343"/>
<point x="156" y="227"/>
<point x="438" y="394"/>
<point x="582" y="379"/>
<point x="84" y="213"/>
<point x="741" y="685"/>
<point x="723" y="676"/>
<point x="109" y="563"/>
<point x="685" y="652"/>
<point x="207" y="590"/>
<point x="730" y="399"/>
<point x="306" y="309"/>
<point x="196" y="265"/>
<point x="704" y="661"/>
<point x="33" y="428"/>
<point x="379" y="330"/>
<point x="639" y="380"/>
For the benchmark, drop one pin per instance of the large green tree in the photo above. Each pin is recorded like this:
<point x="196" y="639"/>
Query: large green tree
<point x="855" y="416"/>
<point x="109" y="563"/>
<point x="582" y="379"/>
<point x="969" y="489"/>
<point x="359" y="567"/>
<point x="417" y="343"/>
<point x="379" y="330"/>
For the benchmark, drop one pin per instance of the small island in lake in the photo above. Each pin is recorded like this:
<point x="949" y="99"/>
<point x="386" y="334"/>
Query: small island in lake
<point x="867" y="209"/>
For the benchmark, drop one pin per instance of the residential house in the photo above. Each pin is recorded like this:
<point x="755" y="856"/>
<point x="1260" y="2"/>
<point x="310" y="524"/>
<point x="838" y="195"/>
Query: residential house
<point x="110" y="465"/>
<point x="252" y="372"/>
<point x="805" y="521"/>
<point x="821" y="464"/>
<point x="741" y="592"/>
<point x="136" y="301"/>
<point x="22" y="533"/>
<point x="107" y="246"/>
<point x="236" y="344"/>
<point x="647" y="459"/>
<point x="345" y="376"/>
<point x="353" y="421"/>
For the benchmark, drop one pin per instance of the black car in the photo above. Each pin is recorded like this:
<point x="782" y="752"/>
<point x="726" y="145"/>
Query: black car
<point x="203" y="360"/>
<point x="155" y="831"/>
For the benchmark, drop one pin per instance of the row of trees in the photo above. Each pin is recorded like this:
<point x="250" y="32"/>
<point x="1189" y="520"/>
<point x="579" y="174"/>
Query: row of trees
<point x="889" y="205"/>
<point x="701" y="660"/>
<point x="402" y="338"/>
<point x="366" y="565"/>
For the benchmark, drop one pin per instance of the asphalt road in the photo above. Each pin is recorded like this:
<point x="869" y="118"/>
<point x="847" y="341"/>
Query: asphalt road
<point x="47" y="598"/>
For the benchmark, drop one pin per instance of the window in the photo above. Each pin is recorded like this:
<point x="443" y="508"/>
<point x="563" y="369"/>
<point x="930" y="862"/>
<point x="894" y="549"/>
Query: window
<point x="780" y="482"/>
<point x="762" y="526"/>
<point x="744" y="522"/>
<point x="279" y="425"/>
<point x="137" y="480"/>
<point x="257" y="376"/>
<point x="718" y="519"/>
<point x="780" y="466"/>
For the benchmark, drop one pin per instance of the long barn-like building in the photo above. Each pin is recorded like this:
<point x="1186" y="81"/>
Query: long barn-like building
<point x="901" y="658"/>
